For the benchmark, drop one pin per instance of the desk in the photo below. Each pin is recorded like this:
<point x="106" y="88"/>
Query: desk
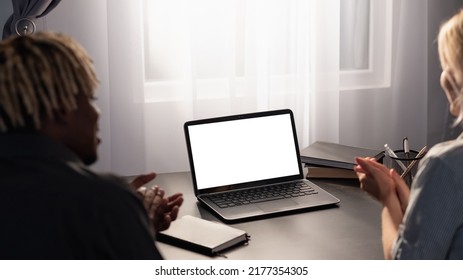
<point x="350" y="231"/>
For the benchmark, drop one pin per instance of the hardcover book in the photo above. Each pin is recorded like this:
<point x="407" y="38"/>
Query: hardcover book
<point x="336" y="155"/>
<point x="319" y="172"/>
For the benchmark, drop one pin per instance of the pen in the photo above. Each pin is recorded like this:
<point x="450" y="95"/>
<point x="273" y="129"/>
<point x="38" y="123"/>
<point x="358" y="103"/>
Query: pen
<point x="406" y="147"/>
<point x="391" y="154"/>
<point x="410" y="166"/>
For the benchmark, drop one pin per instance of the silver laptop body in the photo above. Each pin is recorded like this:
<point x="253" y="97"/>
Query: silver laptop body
<point x="243" y="153"/>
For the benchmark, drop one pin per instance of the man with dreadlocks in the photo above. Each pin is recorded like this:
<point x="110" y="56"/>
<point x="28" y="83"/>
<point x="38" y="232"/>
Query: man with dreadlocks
<point x="52" y="206"/>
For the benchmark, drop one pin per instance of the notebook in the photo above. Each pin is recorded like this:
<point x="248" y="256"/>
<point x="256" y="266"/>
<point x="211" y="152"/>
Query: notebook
<point x="202" y="236"/>
<point x="240" y="154"/>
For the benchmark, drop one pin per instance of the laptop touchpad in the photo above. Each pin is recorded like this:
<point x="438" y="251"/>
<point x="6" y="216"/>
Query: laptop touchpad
<point x="276" y="205"/>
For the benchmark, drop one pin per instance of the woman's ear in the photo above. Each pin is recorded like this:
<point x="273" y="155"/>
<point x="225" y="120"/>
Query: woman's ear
<point x="451" y="92"/>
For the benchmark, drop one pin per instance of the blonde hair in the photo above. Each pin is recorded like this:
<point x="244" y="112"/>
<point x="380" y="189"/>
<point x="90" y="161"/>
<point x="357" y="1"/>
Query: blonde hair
<point x="450" y="47"/>
<point x="39" y="75"/>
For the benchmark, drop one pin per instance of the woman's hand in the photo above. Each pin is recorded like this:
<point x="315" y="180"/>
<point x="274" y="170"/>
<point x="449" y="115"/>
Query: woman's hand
<point x="382" y="183"/>
<point x="375" y="179"/>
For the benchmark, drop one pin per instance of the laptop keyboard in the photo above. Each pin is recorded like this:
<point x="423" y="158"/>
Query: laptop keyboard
<point x="261" y="194"/>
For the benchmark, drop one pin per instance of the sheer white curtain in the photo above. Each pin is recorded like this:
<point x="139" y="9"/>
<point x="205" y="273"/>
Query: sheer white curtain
<point x="354" y="34"/>
<point x="173" y="61"/>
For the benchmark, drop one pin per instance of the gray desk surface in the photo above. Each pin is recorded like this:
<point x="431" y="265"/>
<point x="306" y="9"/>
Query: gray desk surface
<point x="350" y="231"/>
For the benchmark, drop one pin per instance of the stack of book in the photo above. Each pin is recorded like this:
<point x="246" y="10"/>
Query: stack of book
<point x="331" y="160"/>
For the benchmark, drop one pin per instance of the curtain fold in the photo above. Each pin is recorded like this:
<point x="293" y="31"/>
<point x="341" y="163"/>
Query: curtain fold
<point x="27" y="9"/>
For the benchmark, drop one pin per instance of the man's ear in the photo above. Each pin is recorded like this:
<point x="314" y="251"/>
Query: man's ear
<point x="58" y="126"/>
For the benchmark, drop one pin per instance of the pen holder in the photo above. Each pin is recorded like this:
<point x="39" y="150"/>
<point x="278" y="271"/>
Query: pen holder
<point x="405" y="165"/>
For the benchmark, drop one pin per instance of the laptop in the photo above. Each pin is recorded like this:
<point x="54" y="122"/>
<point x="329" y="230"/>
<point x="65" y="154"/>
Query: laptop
<point x="254" y="158"/>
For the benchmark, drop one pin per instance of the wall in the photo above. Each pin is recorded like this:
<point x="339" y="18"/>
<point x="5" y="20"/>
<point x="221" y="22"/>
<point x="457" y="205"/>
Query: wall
<point x="6" y="9"/>
<point x="367" y="117"/>
<point x="371" y="118"/>
<point x="414" y="106"/>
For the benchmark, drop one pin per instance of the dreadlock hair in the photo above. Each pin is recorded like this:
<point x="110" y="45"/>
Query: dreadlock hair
<point x="41" y="74"/>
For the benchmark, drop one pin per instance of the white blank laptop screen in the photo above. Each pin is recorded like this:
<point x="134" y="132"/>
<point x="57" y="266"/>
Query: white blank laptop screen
<point x="243" y="150"/>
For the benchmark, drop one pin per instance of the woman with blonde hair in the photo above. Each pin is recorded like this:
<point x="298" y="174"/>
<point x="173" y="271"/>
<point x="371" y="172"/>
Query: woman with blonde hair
<point x="425" y="220"/>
